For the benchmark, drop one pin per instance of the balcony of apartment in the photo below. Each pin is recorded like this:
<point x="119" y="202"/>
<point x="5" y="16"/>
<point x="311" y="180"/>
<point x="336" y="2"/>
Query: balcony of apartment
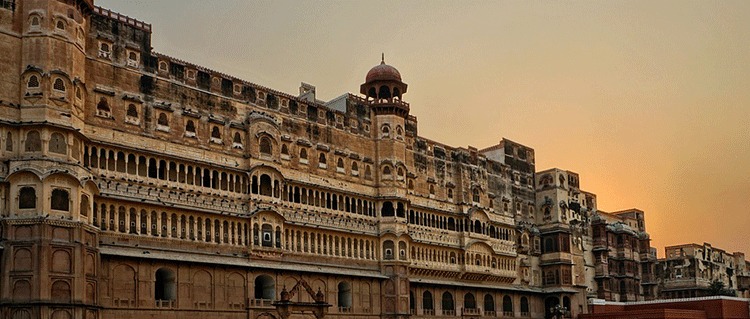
<point x="434" y="266"/>
<point x="431" y="235"/>
<point x="497" y="272"/>
<point x="600" y="244"/>
<point x="601" y="270"/>
<point x="312" y="215"/>
<point x="394" y="225"/>
<point x="682" y="283"/>
<point x="556" y="257"/>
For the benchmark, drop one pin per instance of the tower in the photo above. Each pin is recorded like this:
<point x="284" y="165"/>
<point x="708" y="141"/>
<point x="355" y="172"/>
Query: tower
<point x="49" y="256"/>
<point x="384" y="88"/>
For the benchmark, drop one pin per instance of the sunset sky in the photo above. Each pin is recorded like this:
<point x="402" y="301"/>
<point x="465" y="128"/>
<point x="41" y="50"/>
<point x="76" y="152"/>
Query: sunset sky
<point x="648" y="101"/>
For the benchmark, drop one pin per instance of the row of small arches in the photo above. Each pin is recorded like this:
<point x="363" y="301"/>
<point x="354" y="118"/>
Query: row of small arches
<point x="447" y="303"/>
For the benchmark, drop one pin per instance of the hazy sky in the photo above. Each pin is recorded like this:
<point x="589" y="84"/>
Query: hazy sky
<point x="648" y="100"/>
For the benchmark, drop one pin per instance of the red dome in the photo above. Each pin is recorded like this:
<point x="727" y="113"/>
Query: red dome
<point x="383" y="72"/>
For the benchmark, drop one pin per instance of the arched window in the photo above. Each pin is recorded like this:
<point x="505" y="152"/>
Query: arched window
<point x="102" y="108"/>
<point x="385" y="130"/>
<point x="27" y="198"/>
<point x="469" y="301"/>
<point x="355" y="168"/>
<point x="322" y="158"/>
<point x="132" y="56"/>
<point x="388" y="249"/>
<point x="104" y="47"/>
<point x="33" y="82"/>
<point x="450" y="193"/>
<point x="84" y="208"/>
<point x="60" y="25"/>
<point x="165" y="287"/>
<point x="265" y="185"/>
<point x="368" y="173"/>
<point x="215" y="133"/>
<point x="432" y="189"/>
<point x="57" y="144"/>
<point x="303" y="153"/>
<point x="386" y="170"/>
<point x="79" y="95"/>
<point x="266" y="148"/>
<point x="447" y="302"/>
<point x="507" y="306"/>
<point x="387" y="210"/>
<point x="35" y="21"/>
<point x="163" y="120"/>
<point x="132" y="111"/>
<point x="33" y="142"/>
<point x="345" y="296"/>
<point x="237" y="138"/>
<point x="265" y="288"/>
<point x="340" y="164"/>
<point x="399" y="131"/>
<point x="9" y="142"/>
<point x="190" y="127"/>
<point x="60" y="200"/>
<point x="475" y="195"/>
<point x="524" y="306"/>
<point x="427" y="301"/>
<point x="384" y="93"/>
<point x="489" y="303"/>
<point x="284" y="150"/>
<point x="59" y="85"/>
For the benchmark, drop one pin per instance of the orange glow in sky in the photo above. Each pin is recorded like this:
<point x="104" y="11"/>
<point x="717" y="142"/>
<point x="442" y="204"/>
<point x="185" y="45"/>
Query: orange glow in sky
<point x="648" y="101"/>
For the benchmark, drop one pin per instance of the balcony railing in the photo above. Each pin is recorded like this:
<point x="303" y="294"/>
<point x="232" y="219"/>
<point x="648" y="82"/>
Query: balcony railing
<point x="471" y="311"/>
<point x="261" y="303"/>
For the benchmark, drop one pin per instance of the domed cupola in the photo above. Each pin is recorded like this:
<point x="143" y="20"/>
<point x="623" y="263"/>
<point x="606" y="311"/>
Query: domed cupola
<point x="384" y="88"/>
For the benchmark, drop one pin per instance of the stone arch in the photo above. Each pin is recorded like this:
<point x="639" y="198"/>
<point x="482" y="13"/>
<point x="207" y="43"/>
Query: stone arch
<point x="344" y="300"/>
<point x="21" y="290"/>
<point x="202" y="286"/>
<point x="265" y="144"/>
<point x="21" y="314"/>
<point x="57" y="144"/>
<point x="61" y="314"/>
<point x="33" y="142"/>
<point x="469" y="301"/>
<point x="60" y="291"/>
<point x="61" y="261"/>
<point x="265" y="287"/>
<point x="427" y="301"/>
<point x="22" y="260"/>
<point x="447" y="302"/>
<point x="124" y="283"/>
<point x="165" y="287"/>
<point x="236" y="289"/>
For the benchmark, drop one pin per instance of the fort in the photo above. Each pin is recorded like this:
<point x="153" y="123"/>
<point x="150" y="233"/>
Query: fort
<point x="135" y="185"/>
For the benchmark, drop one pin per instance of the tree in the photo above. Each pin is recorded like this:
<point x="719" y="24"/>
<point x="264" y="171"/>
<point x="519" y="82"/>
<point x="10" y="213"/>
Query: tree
<point x="717" y="288"/>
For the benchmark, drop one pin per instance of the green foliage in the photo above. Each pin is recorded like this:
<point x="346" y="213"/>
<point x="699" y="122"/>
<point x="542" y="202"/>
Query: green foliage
<point x="717" y="288"/>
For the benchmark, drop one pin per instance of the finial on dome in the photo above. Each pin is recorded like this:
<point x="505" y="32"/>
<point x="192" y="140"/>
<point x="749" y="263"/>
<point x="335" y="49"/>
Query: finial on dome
<point x="382" y="58"/>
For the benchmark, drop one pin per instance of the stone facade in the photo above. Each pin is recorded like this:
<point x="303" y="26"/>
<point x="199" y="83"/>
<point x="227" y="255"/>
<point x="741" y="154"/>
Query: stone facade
<point x="688" y="271"/>
<point x="138" y="185"/>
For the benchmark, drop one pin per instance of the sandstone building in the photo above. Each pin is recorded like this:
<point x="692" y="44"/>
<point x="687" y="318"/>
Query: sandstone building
<point x="139" y="185"/>
<point x="688" y="271"/>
